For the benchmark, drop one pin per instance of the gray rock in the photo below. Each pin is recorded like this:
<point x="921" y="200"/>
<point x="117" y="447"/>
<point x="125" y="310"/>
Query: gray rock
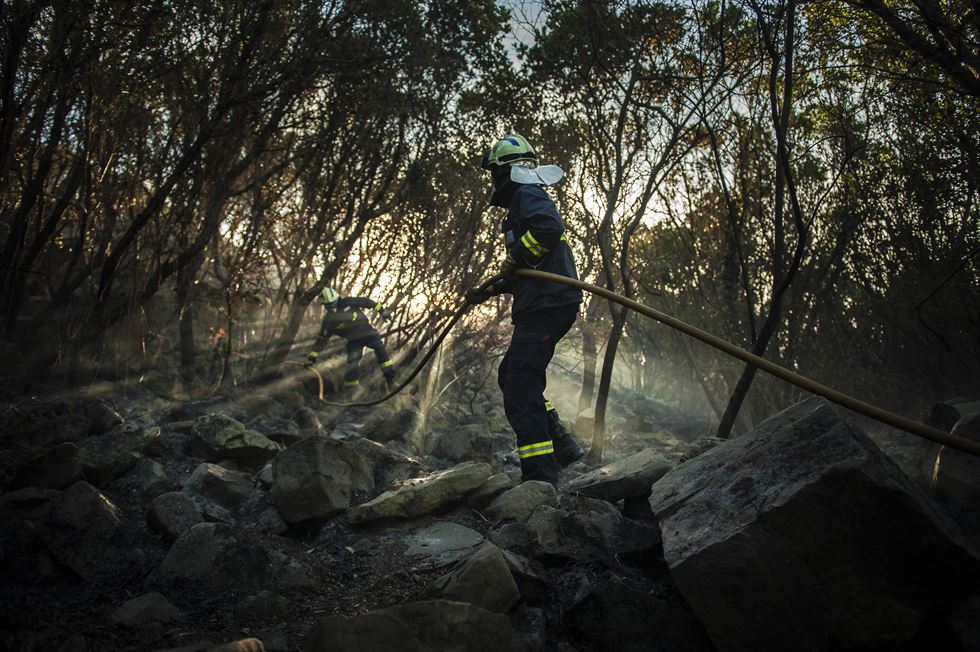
<point x="345" y="431"/>
<point x="49" y="423"/>
<point x="260" y="405"/>
<point x="513" y="536"/>
<point x="151" y="478"/>
<point x="308" y="421"/>
<point x="531" y="576"/>
<point x="463" y="443"/>
<point x="805" y="500"/>
<point x="430" y="626"/>
<point x="316" y="477"/>
<point x="81" y="530"/>
<point x="586" y="531"/>
<point x="227" y="489"/>
<point x="215" y="437"/>
<point x="441" y="544"/>
<point x="423" y="495"/>
<point x="625" y="478"/>
<point x="389" y="466"/>
<point x="173" y="513"/>
<point x="483" y="579"/>
<point x="495" y="485"/>
<point x="264" y="606"/>
<point x="30" y="503"/>
<point x="110" y="456"/>
<point x="518" y="503"/>
<point x="383" y="426"/>
<point x="55" y="468"/>
<point x="222" y="557"/>
<point x="144" y="609"/>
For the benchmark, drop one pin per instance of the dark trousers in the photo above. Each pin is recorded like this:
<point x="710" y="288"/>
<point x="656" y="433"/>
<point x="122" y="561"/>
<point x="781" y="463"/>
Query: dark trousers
<point x="522" y="379"/>
<point x="355" y="350"/>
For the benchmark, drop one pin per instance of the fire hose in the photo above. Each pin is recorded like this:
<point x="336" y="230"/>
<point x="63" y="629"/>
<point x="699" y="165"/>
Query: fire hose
<point x="844" y="400"/>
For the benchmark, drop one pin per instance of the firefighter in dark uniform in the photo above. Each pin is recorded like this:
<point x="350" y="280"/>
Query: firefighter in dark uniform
<point x="542" y="311"/>
<point x="344" y="318"/>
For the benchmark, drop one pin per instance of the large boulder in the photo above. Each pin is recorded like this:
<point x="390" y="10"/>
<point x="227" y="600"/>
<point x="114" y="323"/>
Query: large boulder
<point x="802" y="535"/>
<point x="316" y="477"/>
<point x="423" y="495"/>
<point x="430" y="626"/>
<point x="217" y="437"/>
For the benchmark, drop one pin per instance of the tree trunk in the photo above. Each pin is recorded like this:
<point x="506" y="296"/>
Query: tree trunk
<point x="605" y="382"/>
<point x="589" y="360"/>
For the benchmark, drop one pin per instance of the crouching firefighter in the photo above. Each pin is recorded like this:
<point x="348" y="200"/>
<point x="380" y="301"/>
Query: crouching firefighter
<point x="542" y="311"/>
<point x="344" y="318"/>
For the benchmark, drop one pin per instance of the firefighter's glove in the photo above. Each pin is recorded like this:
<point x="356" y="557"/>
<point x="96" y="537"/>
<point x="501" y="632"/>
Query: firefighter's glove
<point x="476" y="296"/>
<point x="508" y="266"/>
<point x="385" y="315"/>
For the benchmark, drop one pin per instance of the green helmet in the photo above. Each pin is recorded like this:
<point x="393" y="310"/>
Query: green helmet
<point x="508" y="149"/>
<point x="329" y="296"/>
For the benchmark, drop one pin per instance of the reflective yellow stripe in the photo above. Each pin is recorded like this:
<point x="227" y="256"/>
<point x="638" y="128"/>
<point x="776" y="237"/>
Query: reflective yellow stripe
<point x="563" y="237"/>
<point x="533" y="245"/>
<point x="532" y="450"/>
<point x="354" y="317"/>
<point x="352" y="382"/>
<point x="387" y="364"/>
<point x="548" y="406"/>
<point x="313" y="354"/>
<point x="378" y="307"/>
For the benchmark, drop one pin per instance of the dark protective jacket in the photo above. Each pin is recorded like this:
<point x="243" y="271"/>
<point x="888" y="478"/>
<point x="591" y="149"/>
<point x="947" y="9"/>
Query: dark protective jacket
<point x="535" y="237"/>
<point x="347" y="321"/>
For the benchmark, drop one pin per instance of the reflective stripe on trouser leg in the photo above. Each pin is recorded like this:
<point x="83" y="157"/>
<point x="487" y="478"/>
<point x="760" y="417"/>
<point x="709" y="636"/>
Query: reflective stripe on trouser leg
<point x="545" y="447"/>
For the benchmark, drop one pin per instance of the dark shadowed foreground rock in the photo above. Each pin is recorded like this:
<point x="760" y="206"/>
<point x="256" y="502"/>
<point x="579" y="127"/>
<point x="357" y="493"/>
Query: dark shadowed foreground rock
<point x="81" y="530"/>
<point x="423" y="495"/>
<point x="802" y="535"/>
<point x="483" y="580"/>
<point x="315" y="478"/>
<point x="147" y="608"/>
<point x="431" y="626"/>
<point x="222" y="557"/>
<point x="625" y="615"/>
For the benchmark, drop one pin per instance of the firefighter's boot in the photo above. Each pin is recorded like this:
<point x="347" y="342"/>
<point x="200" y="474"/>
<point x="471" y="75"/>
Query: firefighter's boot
<point x="567" y="450"/>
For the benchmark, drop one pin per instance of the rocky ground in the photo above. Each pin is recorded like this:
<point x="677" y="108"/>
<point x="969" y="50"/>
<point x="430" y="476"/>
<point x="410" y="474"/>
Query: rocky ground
<point x="266" y="519"/>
